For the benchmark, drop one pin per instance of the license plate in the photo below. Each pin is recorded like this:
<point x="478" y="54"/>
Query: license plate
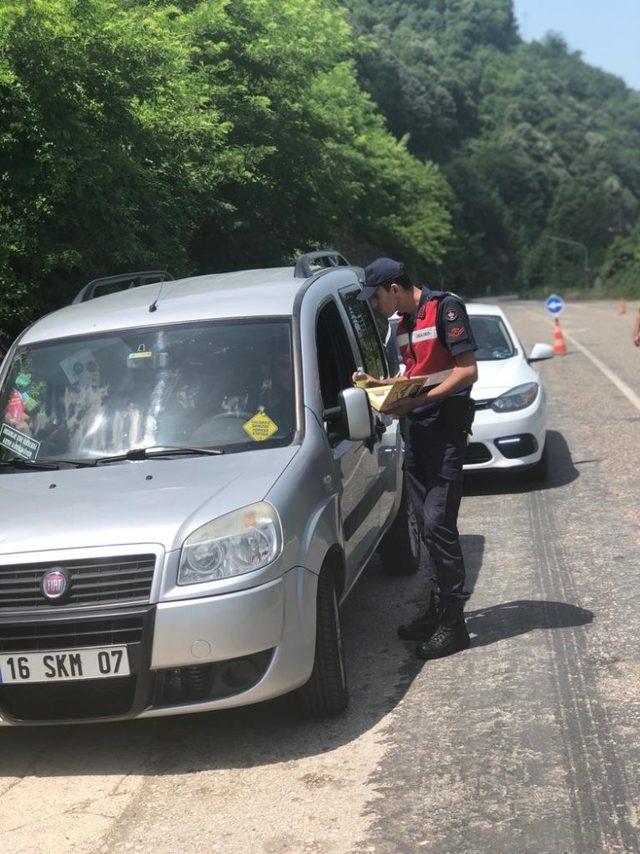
<point x="68" y="665"/>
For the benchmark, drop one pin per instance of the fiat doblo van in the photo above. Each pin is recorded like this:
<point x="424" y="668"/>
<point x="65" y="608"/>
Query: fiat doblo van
<point x="190" y="486"/>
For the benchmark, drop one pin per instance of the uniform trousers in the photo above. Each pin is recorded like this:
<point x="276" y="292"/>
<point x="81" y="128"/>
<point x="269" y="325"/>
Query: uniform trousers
<point x="435" y="449"/>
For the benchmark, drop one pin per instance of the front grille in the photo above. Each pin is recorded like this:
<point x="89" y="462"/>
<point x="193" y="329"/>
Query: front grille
<point x="91" y="582"/>
<point x="93" y="698"/>
<point x="70" y="634"/>
<point x="477" y="452"/>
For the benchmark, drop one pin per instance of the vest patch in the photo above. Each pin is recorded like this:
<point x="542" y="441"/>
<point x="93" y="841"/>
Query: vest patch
<point x="424" y="334"/>
<point x="422" y="351"/>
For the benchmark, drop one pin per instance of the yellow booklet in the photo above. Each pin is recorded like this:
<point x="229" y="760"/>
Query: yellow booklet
<point x="382" y="397"/>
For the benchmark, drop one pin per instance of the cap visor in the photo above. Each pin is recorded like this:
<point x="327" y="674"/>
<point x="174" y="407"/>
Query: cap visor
<point x="366" y="293"/>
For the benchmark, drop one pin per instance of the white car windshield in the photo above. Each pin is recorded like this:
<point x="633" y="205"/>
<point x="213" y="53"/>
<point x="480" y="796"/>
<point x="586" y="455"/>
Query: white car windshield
<point x="493" y="340"/>
<point x="207" y="385"/>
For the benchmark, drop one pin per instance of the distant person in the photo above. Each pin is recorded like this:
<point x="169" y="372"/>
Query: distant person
<point x="636" y="330"/>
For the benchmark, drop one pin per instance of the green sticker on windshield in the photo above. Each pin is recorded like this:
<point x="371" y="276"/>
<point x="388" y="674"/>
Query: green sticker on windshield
<point x="260" y="427"/>
<point x="18" y="443"/>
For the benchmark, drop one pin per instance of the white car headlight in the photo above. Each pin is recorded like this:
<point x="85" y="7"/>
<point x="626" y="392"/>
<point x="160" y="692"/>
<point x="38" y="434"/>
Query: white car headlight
<point x="516" y="398"/>
<point x="239" y="542"/>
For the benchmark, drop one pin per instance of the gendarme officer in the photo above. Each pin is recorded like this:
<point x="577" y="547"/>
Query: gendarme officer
<point x="435" y="339"/>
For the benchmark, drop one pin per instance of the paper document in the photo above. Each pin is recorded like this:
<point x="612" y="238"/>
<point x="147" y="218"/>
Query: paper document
<point x="383" y="397"/>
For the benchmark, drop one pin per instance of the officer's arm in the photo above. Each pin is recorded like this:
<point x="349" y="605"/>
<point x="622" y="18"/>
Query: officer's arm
<point x="462" y="376"/>
<point x="372" y="382"/>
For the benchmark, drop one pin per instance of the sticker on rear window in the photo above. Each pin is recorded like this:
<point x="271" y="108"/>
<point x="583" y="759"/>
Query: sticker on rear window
<point x="260" y="427"/>
<point x="18" y="443"/>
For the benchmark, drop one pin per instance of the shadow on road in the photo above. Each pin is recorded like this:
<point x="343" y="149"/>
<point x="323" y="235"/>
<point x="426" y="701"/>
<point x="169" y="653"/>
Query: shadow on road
<point x="562" y="471"/>
<point x="509" y="619"/>
<point x="473" y="551"/>
<point x="264" y="734"/>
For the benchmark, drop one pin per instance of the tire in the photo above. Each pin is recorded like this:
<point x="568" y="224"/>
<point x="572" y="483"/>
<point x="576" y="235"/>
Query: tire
<point x="538" y="472"/>
<point x="400" y="546"/>
<point x="326" y="694"/>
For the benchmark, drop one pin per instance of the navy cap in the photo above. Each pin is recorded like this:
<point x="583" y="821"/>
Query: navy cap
<point x="380" y="272"/>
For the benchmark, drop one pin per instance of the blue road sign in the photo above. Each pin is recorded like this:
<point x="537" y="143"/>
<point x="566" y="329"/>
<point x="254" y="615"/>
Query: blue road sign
<point x="554" y="305"/>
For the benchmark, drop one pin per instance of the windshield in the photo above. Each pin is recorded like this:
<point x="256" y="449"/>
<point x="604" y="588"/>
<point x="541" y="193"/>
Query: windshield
<point x="493" y="340"/>
<point x="224" y="385"/>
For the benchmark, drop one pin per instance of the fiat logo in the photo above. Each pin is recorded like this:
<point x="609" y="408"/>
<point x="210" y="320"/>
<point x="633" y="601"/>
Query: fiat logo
<point x="54" y="584"/>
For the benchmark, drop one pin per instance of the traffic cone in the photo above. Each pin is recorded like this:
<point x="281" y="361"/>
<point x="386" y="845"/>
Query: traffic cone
<point x="622" y="306"/>
<point x="559" y="347"/>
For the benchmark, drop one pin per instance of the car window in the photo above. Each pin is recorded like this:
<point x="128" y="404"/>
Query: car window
<point x="335" y="357"/>
<point x="365" y="329"/>
<point x="207" y="384"/>
<point x="493" y="340"/>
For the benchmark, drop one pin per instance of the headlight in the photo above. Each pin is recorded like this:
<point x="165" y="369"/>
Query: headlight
<point x="516" y="398"/>
<point x="239" y="542"/>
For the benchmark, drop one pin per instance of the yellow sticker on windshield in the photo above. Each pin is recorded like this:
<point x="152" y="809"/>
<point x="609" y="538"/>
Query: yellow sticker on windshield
<point x="260" y="427"/>
<point x="140" y="353"/>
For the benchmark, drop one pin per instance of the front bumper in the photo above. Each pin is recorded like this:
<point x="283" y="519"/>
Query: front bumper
<point x="490" y="427"/>
<point x="187" y="656"/>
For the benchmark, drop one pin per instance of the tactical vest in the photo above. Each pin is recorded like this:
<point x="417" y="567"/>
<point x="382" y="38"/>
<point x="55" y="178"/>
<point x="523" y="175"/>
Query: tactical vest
<point x="421" y="347"/>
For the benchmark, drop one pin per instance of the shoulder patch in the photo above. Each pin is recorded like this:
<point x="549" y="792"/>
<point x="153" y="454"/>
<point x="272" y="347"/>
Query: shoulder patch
<point x="456" y="332"/>
<point x="451" y="315"/>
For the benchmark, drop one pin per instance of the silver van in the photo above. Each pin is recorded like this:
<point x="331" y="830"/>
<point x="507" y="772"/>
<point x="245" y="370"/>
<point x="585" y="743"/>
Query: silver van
<point x="190" y="486"/>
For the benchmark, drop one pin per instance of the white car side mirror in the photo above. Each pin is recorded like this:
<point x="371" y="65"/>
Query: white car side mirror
<point x="356" y="411"/>
<point x="540" y="352"/>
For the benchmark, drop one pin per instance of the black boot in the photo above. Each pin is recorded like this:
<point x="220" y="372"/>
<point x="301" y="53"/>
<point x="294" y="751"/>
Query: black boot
<point x="423" y="626"/>
<point x="450" y="636"/>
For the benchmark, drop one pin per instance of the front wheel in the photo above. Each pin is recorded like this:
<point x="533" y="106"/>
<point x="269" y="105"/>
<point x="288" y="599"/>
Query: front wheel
<point x="400" y="546"/>
<point x="326" y="693"/>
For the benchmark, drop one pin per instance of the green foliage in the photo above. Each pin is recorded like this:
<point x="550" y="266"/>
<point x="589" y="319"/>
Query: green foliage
<point x="204" y="135"/>
<point x="534" y="142"/>
<point x="622" y="265"/>
<point x="199" y="135"/>
<point x="104" y="145"/>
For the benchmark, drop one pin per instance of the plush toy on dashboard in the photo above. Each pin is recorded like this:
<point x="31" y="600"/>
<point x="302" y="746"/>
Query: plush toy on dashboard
<point x="21" y="404"/>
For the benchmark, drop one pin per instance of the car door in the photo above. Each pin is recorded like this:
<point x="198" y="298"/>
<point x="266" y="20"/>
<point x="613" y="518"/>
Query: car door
<point x="374" y="361"/>
<point x="356" y="472"/>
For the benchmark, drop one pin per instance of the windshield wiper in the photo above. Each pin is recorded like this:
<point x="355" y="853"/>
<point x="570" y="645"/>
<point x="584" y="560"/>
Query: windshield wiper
<point x="154" y="451"/>
<point x="19" y="463"/>
<point x="41" y="465"/>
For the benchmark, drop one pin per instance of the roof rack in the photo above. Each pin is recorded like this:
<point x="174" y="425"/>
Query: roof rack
<point x="308" y="264"/>
<point x="128" y="280"/>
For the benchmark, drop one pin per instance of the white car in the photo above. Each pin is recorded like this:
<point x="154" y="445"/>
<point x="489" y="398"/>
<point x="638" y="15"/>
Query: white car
<point x="509" y="430"/>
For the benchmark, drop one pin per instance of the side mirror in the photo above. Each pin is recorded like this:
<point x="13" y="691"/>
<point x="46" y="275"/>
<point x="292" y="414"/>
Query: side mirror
<point x="540" y="352"/>
<point x="352" y="418"/>
<point x="356" y="414"/>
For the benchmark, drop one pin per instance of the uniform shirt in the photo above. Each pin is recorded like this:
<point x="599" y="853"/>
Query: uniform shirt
<point x="430" y="340"/>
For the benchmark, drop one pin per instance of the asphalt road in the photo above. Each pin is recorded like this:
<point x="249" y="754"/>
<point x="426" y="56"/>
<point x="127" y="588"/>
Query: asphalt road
<point x="528" y="742"/>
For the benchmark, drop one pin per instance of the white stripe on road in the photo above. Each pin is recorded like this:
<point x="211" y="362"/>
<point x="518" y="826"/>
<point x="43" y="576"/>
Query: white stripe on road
<point x="629" y="393"/>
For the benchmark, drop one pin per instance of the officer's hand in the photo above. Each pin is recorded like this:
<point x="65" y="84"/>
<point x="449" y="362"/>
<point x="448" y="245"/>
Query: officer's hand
<point x="401" y="408"/>
<point x="636" y="340"/>
<point x="364" y="378"/>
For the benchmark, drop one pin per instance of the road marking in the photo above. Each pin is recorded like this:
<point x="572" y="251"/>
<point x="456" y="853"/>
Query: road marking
<point x="629" y="393"/>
